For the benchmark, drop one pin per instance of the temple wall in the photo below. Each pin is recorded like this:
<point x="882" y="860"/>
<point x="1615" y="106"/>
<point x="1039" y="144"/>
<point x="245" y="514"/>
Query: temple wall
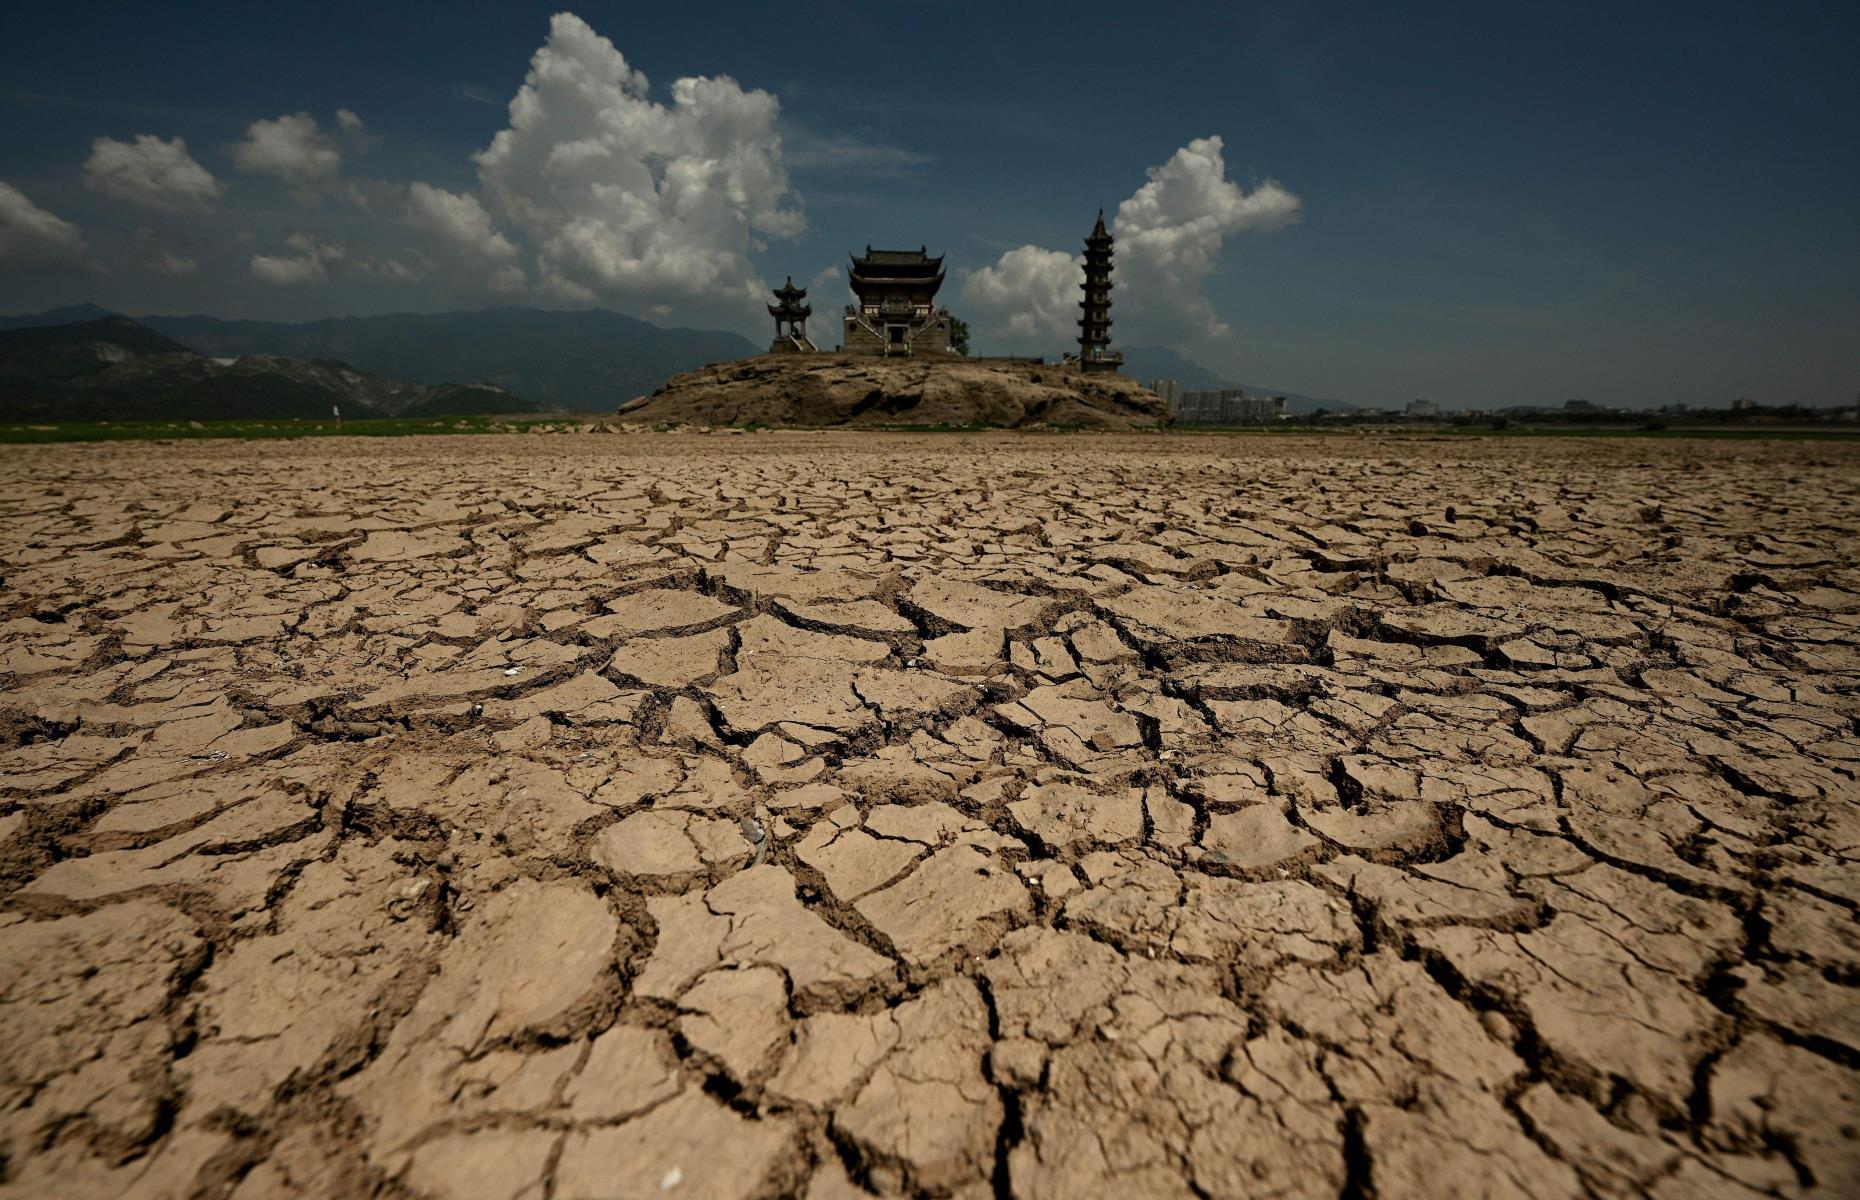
<point x="933" y="339"/>
<point x="929" y="338"/>
<point x="857" y="339"/>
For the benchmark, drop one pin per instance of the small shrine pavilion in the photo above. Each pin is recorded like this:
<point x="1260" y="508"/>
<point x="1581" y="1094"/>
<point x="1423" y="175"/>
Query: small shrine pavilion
<point x="791" y="315"/>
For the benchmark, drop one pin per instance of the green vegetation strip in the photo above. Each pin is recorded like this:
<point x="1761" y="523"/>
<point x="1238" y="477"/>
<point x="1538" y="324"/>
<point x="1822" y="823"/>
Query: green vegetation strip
<point x="144" y="431"/>
<point x="1832" y="433"/>
<point x="1290" y="429"/>
<point x="155" y="431"/>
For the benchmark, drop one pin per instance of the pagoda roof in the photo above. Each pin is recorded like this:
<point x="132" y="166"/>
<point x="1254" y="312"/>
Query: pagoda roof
<point x="861" y="279"/>
<point x="897" y="264"/>
<point x="899" y="257"/>
<point x="1098" y="232"/>
<point x="789" y="293"/>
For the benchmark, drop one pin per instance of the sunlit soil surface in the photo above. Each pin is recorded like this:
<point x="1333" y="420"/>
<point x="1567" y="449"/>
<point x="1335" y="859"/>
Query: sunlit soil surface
<point x="824" y="815"/>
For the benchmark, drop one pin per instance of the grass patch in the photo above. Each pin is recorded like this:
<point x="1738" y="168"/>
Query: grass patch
<point x="971" y="427"/>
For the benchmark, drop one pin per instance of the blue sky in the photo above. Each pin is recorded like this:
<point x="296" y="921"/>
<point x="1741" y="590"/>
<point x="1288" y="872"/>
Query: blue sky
<point x="1481" y="204"/>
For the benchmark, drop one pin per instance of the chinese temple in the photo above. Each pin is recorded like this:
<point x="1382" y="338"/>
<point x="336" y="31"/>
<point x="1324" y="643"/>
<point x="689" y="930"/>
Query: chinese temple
<point x="894" y="310"/>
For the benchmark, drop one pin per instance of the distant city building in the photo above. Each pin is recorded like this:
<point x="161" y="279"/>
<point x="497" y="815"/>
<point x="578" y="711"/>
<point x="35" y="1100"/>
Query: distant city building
<point x="1208" y="406"/>
<point x="1580" y="406"/>
<point x="1227" y="406"/>
<point x="895" y="311"/>
<point x="1742" y="404"/>
<point x="1168" y="390"/>
<point x="1422" y="409"/>
<point x="791" y="315"/>
<point x="1095" y="353"/>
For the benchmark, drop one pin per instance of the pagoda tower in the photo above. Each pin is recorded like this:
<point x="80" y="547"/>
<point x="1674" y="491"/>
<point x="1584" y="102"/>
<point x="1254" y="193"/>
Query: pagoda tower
<point x="1095" y="353"/>
<point x="790" y="320"/>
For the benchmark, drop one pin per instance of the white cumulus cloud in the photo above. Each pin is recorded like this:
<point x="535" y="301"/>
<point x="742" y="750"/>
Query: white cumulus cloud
<point x="631" y="199"/>
<point x="848" y="154"/>
<point x="310" y="263"/>
<point x="30" y="236"/>
<point x="151" y="172"/>
<point x="315" y="260"/>
<point x="457" y="217"/>
<point x="459" y="220"/>
<point x="288" y="270"/>
<point x="1169" y="233"/>
<point x="167" y="262"/>
<point x="392" y="268"/>
<point x="161" y="259"/>
<point x="1029" y="291"/>
<point x="1169" y="237"/>
<point x="354" y="131"/>
<point x="292" y="148"/>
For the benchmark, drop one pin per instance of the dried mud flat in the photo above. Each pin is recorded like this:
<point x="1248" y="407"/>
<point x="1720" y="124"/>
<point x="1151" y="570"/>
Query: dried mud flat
<point x="833" y="815"/>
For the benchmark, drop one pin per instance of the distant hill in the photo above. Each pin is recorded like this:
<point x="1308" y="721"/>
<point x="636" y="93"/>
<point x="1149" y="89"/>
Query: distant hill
<point x="83" y="348"/>
<point x="590" y="360"/>
<point x="116" y="369"/>
<point x="1160" y="362"/>
<point x="70" y="314"/>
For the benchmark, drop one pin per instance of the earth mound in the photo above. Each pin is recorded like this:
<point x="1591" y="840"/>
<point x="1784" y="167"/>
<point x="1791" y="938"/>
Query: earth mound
<point x="859" y="390"/>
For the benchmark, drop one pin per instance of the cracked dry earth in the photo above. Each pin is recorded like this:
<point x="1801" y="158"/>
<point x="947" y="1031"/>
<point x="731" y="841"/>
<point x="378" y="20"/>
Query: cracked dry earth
<point x="840" y="815"/>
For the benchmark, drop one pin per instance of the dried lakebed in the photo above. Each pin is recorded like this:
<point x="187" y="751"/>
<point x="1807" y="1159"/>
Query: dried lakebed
<point x="838" y="815"/>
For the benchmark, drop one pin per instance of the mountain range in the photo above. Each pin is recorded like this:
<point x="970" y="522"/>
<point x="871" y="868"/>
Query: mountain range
<point x="592" y="360"/>
<point x="70" y="314"/>
<point x="111" y="368"/>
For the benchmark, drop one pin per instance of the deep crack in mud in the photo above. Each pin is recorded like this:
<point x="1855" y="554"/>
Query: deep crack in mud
<point x="828" y="815"/>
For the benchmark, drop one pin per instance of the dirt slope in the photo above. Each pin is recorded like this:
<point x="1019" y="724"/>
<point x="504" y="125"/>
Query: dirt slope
<point x="861" y="391"/>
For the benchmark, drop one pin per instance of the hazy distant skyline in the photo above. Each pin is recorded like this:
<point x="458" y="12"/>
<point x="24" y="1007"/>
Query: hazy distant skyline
<point x="1361" y="201"/>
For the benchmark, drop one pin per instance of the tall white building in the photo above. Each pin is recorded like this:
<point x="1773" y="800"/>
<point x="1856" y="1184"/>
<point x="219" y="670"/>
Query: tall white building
<point x="1227" y="406"/>
<point x="1168" y="389"/>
